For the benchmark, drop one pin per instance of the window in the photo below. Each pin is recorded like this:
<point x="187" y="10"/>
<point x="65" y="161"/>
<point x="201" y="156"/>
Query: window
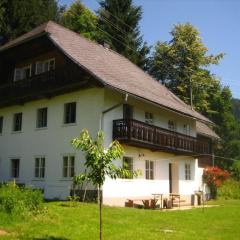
<point x="39" y="167"/>
<point x="42" y="117"/>
<point x="127" y="111"/>
<point x="17" y="122"/>
<point x="1" y="124"/>
<point x="128" y="165"/>
<point x="149" y="166"/>
<point x="171" y="125"/>
<point x="70" y="113"/>
<point x="15" y="163"/>
<point x="187" y="171"/>
<point x="22" y="73"/>
<point x="186" y="129"/>
<point x="68" y="166"/>
<point x="149" y="117"/>
<point x="45" y="66"/>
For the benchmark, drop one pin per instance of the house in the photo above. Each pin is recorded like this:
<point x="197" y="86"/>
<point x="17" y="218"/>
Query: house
<point x="54" y="83"/>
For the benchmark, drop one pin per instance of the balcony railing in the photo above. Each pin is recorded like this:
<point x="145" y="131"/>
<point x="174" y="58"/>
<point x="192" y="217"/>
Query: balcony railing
<point x="141" y="134"/>
<point x="36" y="86"/>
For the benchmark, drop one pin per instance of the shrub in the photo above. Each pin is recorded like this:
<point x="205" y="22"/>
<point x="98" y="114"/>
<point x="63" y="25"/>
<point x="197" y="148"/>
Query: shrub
<point x="16" y="200"/>
<point x="230" y="189"/>
<point x="214" y="177"/>
<point x="236" y="170"/>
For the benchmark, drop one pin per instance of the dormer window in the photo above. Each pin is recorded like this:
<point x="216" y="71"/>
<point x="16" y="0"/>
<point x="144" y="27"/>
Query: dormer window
<point x="22" y="73"/>
<point x="45" y="66"/>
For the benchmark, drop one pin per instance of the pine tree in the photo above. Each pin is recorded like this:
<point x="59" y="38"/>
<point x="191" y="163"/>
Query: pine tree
<point x="18" y="17"/>
<point x="119" y="25"/>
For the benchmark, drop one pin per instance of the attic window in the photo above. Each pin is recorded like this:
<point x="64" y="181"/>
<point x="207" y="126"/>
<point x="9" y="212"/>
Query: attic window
<point x="45" y="66"/>
<point x="22" y="73"/>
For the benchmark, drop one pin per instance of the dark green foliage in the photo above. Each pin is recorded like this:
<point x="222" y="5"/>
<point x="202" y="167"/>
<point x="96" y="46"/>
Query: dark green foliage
<point x="119" y="25"/>
<point x="236" y="108"/>
<point x="236" y="170"/>
<point x="18" y="17"/>
<point x="230" y="190"/>
<point x="21" y="201"/>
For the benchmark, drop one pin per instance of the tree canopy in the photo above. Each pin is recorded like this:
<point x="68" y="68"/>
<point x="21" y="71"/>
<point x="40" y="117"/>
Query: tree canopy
<point x="181" y="64"/>
<point x="19" y="17"/>
<point x="80" y="19"/>
<point x="119" y="25"/>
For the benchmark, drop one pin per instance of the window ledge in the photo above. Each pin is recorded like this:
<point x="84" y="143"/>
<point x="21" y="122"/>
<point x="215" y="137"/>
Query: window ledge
<point x="17" y="132"/>
<point x="69" y="124"/>
<point x="38" y="180"/>
<point x="67" y="179"/>
<point x="41" y="128"/>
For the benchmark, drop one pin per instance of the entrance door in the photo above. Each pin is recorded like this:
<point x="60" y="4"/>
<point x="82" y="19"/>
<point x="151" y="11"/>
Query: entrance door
<point x="170" y="178"/>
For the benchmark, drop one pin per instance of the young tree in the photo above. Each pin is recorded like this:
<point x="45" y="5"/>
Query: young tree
<point x="99" y="161"/>
<point x="80" y="19"/>
<point x="19" y="17"/>
<point x="119" y="24"/>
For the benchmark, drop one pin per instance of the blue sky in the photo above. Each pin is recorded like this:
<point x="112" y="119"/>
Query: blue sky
<point x="217" y="21"/>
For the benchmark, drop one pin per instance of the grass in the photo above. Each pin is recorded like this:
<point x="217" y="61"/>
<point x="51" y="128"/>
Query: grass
<point x="64" y="222"/>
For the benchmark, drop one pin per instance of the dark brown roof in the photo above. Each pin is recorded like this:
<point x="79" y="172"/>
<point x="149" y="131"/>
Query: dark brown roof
<point x="109" y="67"/>
<point x="203" y="129"/>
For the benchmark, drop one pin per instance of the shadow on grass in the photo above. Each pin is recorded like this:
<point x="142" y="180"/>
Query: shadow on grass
<point x="51" y="238"/>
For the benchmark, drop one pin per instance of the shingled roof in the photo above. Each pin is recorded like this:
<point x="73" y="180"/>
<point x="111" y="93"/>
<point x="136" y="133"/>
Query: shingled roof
<point x="109" y="67"/>
<point x="204" y="130"/>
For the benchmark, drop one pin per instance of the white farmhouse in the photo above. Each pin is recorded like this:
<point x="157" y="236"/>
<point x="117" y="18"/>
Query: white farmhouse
<point x="54" y="83"/>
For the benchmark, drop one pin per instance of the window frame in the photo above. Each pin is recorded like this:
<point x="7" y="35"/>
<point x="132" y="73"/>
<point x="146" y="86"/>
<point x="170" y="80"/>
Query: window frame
<point x="1" y="124"/>
<point x="129" y="167"/>
<point x="128" y="112"/>
<point x="17" y="170"/>
<point x="70" y="168"/>
<point x="186" y="129"/>
<point x="174" y="128"/>
<point x="14" y="122"/>
<point x="22" y="68"/>
<point x="149" y="169"/>
<point x="39" y="169"/>
<point x="38" y="126"/>
<point x="149" y="118"/>
<point x="65" y="118"/>
<point x="48" y="66"/>
<point x="187" y="171"/>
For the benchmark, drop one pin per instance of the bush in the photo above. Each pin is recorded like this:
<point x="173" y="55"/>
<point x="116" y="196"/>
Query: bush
<point x="214" y="178"/>
<point x="230" y="189"/>
<point x="16" y="200"/>
<point x="236" y="170"/>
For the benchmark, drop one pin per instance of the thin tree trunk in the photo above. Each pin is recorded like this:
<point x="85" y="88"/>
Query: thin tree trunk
<point x="100" y="215"/>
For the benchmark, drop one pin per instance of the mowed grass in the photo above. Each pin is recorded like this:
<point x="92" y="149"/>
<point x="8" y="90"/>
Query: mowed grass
<point x="62" y="222"/>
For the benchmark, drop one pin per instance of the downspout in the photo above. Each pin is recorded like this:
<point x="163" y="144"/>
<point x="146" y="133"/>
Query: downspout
<point x="110" y="109"/>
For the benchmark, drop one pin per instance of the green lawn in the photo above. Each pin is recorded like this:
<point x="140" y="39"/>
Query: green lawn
<point x="62" y="222"/>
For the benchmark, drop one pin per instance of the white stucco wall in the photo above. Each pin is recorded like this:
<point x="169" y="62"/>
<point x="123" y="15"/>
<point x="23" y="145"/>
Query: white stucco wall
<point x="52" y="142"/>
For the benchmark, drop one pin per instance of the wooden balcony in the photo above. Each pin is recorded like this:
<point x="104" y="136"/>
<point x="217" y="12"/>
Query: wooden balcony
<point x="43" y="85"/>
<point x="140" y="134"/>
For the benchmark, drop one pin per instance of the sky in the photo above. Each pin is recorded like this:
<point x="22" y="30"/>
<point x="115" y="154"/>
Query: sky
<point x="216" y="20"/>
